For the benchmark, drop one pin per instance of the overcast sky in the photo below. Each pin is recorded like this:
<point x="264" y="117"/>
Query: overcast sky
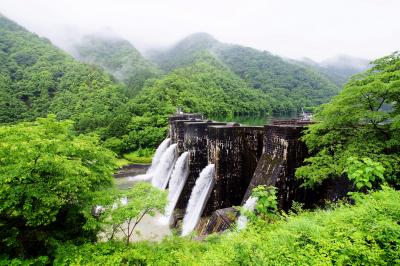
<point x="317" y="29"/>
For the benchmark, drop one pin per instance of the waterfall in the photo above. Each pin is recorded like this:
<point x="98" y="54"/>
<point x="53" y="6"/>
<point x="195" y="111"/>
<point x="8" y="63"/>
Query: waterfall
<point x="198" y="199"/>
<point x="176" y="184"/>
<point x="249" y="205"/>
<point x="157" y="156"/>
<point x="164" y="168"/>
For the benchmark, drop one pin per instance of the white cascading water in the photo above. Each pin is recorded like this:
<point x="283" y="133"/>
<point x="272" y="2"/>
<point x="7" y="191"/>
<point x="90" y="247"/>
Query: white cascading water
<point x="147" y="177"/>
<point x="197" y="199"/>
<point x="157" y="156"/>
<point x="164" y="168"/>
<point x="176" y="184"/>
<point x="249" y="205"/>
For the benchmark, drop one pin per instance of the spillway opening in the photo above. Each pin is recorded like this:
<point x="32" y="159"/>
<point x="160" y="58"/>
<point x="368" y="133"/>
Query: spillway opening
<point x="198" y="199"/>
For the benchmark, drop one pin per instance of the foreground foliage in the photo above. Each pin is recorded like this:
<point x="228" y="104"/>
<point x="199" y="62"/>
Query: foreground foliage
<point x="47" y="176"/>
<point x="367" y="233"/>
<point x="363" y="123"/>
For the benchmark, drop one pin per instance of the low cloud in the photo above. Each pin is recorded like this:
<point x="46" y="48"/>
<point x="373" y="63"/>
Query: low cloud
<point x="309" y="28"/>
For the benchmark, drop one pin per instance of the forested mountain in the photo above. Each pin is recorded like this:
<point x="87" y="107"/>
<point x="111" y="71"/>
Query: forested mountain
<point x="204" y="86"/>
<point x="37" y="78"/>
<point x="184" y="52"/>
<point x="119" y="58"/>
<point x="339" y="69"/>
<point x="289" y="86"/>
<point x="203" y="75"/>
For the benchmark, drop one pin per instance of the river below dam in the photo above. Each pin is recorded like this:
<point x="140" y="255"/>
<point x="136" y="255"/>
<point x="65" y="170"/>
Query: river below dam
<point x="152" y="228"/>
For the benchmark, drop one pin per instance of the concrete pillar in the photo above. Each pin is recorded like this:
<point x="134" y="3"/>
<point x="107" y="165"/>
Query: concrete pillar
<point x="179" y="132"/>
<point x="195" y="142"/>
<point x="172" y="130"/>
<point x="283" y="153"/>
<point x="235" y="151"/>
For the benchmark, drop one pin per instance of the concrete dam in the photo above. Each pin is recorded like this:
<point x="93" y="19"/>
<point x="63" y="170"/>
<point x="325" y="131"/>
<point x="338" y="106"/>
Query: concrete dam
<point x="213" y="166"/>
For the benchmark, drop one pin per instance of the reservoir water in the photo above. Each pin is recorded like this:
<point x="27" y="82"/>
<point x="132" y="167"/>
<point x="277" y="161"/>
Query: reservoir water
<point x="252" y="120"/>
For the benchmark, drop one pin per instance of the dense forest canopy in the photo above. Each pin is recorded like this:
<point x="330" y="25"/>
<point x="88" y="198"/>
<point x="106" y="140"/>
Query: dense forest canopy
<point x="37" y="78"/>
<point x="361" y="124"/>
<point x="289" y="86"/>
<point x="194" y="88"/>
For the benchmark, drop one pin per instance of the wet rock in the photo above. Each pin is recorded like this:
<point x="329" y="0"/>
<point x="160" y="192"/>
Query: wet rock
<point x="219" y="221"/>
<point x="268" y="171"/>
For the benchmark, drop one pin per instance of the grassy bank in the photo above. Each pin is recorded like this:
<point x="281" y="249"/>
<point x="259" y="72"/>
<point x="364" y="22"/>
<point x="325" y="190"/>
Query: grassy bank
<point x="367" y="233"/>
<point x="141" y="156"/>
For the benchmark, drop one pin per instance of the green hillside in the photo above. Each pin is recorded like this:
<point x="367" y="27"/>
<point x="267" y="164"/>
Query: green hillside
<point x="119" y="58"/>
<point x="204" y="86"/>
<point x="289" y="86"/>
<point x="37" y="78"/>
<point x="184" y="52"/>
